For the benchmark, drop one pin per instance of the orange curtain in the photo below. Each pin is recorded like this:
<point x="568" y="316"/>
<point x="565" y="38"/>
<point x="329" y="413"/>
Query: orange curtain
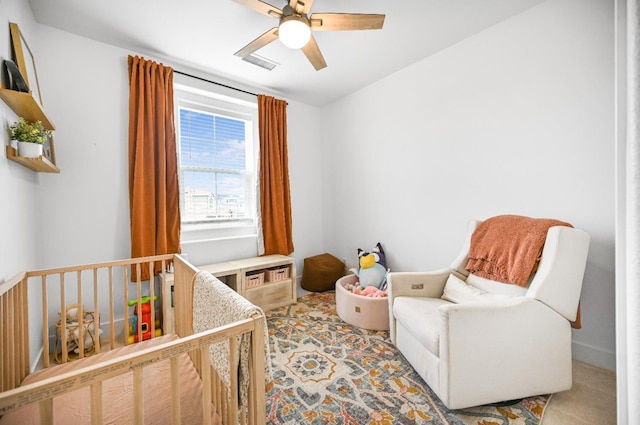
<point x="275" y="200"/>
<point x="153" y="168"/>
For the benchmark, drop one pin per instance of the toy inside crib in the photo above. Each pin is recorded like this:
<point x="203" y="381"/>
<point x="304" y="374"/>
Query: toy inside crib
<point x="145" y="321"/>
<point x="75" y="316"/>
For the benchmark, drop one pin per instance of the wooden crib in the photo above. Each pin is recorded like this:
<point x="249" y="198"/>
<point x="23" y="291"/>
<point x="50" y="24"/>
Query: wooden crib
<point x="95" y="363"/>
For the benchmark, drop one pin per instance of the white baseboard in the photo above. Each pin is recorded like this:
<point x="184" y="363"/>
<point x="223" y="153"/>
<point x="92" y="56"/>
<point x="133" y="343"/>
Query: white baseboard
<point x="38" y="363"/>
<point x="594" y="356"/>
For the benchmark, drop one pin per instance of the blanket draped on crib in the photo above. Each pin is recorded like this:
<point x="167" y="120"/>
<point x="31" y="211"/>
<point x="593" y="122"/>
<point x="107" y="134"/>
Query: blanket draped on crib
<point x="229" y="307"/>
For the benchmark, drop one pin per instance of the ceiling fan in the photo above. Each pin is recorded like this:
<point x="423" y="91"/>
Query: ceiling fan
<point x="294" y="28"/>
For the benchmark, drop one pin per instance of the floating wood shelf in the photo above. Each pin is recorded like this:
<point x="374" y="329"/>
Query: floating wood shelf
<point x="24" y="105"/>
<point x="40" y="164"/>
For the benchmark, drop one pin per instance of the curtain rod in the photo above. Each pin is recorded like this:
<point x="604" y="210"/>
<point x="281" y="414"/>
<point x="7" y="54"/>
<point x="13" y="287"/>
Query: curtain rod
<point x="214" y="82"/>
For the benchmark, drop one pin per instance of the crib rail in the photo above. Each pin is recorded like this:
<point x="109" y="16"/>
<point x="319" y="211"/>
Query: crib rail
<point x="42" y="392"/>
<point x="110" y="277"/>
<point x="14" y="332"/>
<point x="98" y="286"/>
<point x="88" y="282"/>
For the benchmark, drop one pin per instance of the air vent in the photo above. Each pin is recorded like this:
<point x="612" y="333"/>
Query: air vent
<point x="260" y="61"/>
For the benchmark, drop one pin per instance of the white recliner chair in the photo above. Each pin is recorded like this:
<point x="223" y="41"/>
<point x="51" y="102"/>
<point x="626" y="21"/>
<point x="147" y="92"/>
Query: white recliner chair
<point x="499" y="342"/>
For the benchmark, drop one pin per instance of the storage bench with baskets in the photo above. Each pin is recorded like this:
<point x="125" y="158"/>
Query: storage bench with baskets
<point x="268" y="281"/>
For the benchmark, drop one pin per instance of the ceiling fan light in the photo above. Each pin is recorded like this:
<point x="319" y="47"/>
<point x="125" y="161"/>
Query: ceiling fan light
<point x="294" y="32"/>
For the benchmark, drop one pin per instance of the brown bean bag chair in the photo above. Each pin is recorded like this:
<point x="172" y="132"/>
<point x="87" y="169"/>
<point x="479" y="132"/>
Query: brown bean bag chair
<point x="320" y="272"/>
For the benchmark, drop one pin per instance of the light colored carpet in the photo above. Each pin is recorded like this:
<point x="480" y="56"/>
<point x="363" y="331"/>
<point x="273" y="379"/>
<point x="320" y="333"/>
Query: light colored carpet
<point x="329" y="372"/>
<point x="592" y="400"/>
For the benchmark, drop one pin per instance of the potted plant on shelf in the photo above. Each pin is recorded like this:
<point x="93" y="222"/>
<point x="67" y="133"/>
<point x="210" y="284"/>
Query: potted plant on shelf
<point x="30" y="136"/>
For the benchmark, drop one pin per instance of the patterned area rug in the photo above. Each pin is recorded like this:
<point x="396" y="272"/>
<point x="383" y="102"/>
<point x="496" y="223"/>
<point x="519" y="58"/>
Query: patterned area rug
<point x="329" y="372"/>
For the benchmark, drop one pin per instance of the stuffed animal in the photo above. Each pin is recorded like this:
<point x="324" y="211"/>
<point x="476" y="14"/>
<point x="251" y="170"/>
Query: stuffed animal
<point x="372" y="268"/>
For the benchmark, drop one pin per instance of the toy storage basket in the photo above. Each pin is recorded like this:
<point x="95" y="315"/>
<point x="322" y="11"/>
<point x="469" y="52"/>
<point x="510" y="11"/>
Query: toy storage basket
<point x="276" y="274"/>
<point x="254" y="279"/>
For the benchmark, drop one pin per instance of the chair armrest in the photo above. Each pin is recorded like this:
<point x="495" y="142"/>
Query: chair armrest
<point x="518" y="318"/>
<point x="494" y="318"/>
<point x="417" y="284"/>
<point x="504" y="342"/>
<point x="413" y="284"/>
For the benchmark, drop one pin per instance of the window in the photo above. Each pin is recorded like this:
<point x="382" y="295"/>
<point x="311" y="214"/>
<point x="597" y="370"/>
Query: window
<point x="217" y="156"/>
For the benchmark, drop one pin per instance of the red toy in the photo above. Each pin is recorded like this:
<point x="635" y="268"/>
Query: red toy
<point x="145" y="323"/>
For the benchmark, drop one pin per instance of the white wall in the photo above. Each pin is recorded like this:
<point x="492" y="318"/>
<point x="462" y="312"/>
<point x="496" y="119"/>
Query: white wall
<point x="85" y="93"/>
<point x="84" y="211"/>
<point x="518" y="119"/>
<point x="86" y="89"/>
<point x="22" y="213"/>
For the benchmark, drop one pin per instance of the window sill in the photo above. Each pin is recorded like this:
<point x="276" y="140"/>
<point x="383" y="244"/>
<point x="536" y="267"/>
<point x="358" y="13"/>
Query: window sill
<point x="198" y="233"/>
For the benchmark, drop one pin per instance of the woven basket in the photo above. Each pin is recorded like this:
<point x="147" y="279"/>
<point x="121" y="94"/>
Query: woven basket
<point x="276" y="274"/>
<point x="255" y="279"/>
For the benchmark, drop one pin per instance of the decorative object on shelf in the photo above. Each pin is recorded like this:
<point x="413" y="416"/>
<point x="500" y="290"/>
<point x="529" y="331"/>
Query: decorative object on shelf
<point x="48" y="151"/>
<point x="25" y="61"/>
<point x="29" y="150"/>
<point x="31" y="137"/>
<point x="23" y="97"/>
<point x="15" y="80"/>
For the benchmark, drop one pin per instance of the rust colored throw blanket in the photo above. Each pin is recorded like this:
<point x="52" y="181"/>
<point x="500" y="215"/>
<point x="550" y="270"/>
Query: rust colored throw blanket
<point x="507" y="248"/>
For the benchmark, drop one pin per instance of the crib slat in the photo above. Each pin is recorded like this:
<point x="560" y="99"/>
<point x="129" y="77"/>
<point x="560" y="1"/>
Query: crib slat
<point x="152" y="303"/>
<point x="7" y="383"/>
<point x="80" y="316"/>
<point x="138" y="330"/>
<point x="138" y="397"/>
<point x="96" y="313"/>
<point x="12" y="334"/>
<point x="216" y="392"/>
<point x="233" y="377"/>
<point x="221" y="399"/>
<point x="175" y="391"/>
<point x="206" y="385"/>
<point x="256" y="402"/>
<point x="3" y="360"/>
<point x="96" y="403"/>
<point x="112" y="317"/>
<point x="63" y="321"/>
<point x="45" y="323"/>
<point x="23" y="331"/>
<point x="125" y="287"/>
<point x="46" y="411"/>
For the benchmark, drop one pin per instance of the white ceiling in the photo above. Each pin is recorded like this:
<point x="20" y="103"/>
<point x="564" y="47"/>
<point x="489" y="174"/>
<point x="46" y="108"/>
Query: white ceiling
<point x="204" y="34"/>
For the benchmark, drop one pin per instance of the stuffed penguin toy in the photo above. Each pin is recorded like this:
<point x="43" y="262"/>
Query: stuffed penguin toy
<point x="372" y="268"/>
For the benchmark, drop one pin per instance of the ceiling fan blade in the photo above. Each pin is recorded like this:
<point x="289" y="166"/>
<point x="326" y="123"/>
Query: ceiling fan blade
<point x="258" y="43"/>
<point x="301" y="6"/>
<point x="261" y="7"/>
<point x="312" y="52"/>
<point x="345" y="21"/>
